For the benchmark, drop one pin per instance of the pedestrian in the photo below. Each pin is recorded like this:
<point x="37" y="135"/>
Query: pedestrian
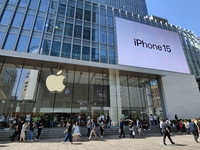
<point x="39" y="130"/>
<point x="22" y="134"/>
<point x="76" y="135"/>
<point x="108" y="120"/>
<point x="68" y="132"/>
<point x="194" y="130"/>
<point x="93" y="130"/>
<point x="20" y="124"/>
<point x="187" y="126"/>
<point x="31" y="128"/>
<point x="166" y="132"/>
<point x="88" y="126"/>
<point x="131" y="128"/>
<point x="121" y="128"/>
<point x="139" y="126"/>
<point x="102" y="128"/>
<point x="15" y="133"/>
<point x="160" y="127"/>
<point x="151" y="120"/>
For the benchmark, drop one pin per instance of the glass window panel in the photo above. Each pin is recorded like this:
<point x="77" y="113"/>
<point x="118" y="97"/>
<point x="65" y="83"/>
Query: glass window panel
<point x="29" y="21"/>
<point x="49" y="26"/>
<point x="79" y="13"/>
<point x="44" y="5"/>
<point x="22" y="44"/>
<point x="112" y="57"/>
<point x="34" y="4"/>
<point x="103" y="19"/>
<point x="110" y="21"/>
<point x="10" y="41"/>
<point x="55" y="50"/>
<point x="61" y="9"/>
<point x="86" y="53"/>
<point x="59" y="27"/>
<point x="45" y="47"/>
<point x="76" y="52"/>
<point x="11" y="2"/>
<point x="34" y="46"/>
<point x="110" y="38"/>
<point x="70" y="11"/>
<point x="77" y="31"/>
<point x="103" y="56"/>
<point x="95" y="35"/>
<point x="68" y="29"/>
<point x="103" y="37"/>
<point x="18" y="19"/>
<point x="86" y="33"/>
<point x="66" y="50"/>
<point x="6" y="17"/>
<point x="87" y="16"/>
<point x="1" y="37"/>
<point x="102" y="10"/>
<point x="95" y="54"/>
<point x="39" y="23"/>
<point x="53" y="7"/>
<point x="23" y="3"/>
<point x="95" y="17"/>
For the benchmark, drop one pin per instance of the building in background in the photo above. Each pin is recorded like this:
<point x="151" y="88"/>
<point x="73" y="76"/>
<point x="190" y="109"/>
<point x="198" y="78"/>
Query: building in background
<point x="112" y="58"/>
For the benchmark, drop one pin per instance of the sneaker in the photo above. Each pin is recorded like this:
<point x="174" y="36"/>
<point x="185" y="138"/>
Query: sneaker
<point x="32" y="140"/>
<point x="36" y="139"/>
<point x="63" y="142"/>
<point x="101" y="136"/>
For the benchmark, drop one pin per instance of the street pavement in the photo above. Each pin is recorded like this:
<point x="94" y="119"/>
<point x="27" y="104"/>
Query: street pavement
<point x="147" y="142"/>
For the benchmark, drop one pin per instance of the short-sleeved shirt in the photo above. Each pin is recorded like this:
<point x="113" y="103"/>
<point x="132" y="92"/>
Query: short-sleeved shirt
<point x="92" y="126"/>
<point x="88" y="123"/>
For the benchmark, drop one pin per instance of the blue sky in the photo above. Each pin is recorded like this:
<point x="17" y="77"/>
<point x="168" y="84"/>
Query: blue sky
<point x="183" y="13"/>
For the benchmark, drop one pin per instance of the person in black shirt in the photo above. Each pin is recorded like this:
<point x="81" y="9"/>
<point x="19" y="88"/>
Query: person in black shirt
<point x="20" y="124"/>
<point x="32" y="126"/>
<point x="15" y="133"/>
<point x="166" y="132"/>
<point x="41" y="125"/>
<point x="69" y="132"/>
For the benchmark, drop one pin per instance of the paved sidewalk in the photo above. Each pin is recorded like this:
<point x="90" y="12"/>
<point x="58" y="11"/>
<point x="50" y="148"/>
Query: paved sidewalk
<point x="183" y="142"/>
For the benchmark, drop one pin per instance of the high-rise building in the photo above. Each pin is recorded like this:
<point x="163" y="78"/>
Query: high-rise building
<point x="113" y="60"/>
<point x="132" y="6"/>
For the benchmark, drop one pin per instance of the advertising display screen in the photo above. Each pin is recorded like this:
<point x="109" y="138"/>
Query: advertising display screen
<point x="145" y="46"/>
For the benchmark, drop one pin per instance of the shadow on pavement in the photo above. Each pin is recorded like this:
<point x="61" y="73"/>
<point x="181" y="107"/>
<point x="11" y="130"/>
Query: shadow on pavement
<point x="180" y="145"/>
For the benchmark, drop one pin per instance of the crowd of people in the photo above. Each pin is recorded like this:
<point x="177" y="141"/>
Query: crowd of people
<point x="99" y="124"/>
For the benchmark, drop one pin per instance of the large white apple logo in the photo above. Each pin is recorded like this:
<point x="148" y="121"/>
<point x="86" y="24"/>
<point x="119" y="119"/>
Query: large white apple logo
<point x="54" y="83"/>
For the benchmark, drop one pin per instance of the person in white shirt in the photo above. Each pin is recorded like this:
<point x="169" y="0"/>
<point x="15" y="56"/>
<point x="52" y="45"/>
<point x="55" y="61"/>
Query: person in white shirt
<point x="160" y="126"/>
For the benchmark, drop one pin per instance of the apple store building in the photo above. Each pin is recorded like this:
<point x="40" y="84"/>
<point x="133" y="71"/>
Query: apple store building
<point x="81" y="61"/>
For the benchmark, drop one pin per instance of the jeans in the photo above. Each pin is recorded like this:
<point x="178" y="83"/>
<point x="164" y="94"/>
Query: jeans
<point x="30" y="135"/>
<point x="68" y="135"/>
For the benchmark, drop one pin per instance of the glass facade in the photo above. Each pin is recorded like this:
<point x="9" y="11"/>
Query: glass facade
<point x="76" y="30"/>
<point x="88" y="91"/>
